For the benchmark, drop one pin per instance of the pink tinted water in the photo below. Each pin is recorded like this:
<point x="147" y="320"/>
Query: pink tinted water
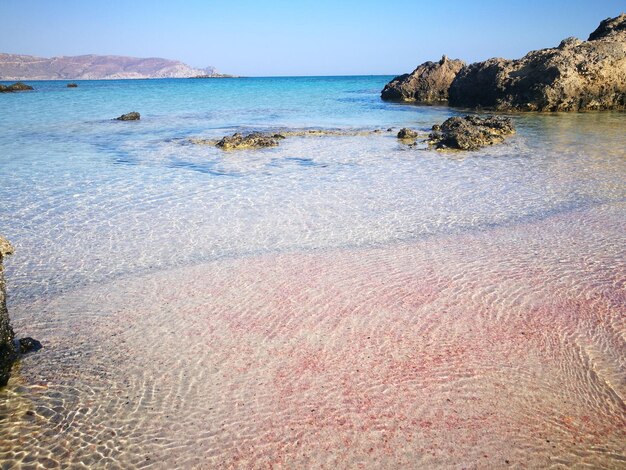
<point x="483" y="350"/>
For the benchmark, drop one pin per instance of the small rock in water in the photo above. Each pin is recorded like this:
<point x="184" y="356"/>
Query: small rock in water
<point x="132" y="116"/>
<point x="72" y="85"/>
<point x="406" y="133"/>
<point x="239" y="141"/>
<point x="28" y="345"/>
<point x="17" y="86"/>
<point x="470" y="132"/>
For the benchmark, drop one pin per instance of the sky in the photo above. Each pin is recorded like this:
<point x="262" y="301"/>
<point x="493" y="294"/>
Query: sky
<point x="317" y="37"/>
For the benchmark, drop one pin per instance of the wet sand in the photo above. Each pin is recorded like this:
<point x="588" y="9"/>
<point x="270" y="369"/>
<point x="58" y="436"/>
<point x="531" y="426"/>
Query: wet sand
<point x="501" y="348"/>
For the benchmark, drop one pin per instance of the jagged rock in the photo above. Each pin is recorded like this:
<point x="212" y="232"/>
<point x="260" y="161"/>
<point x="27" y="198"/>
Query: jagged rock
<point x="8" y="352"/>
<point x="72" y="85"/>
<point x="428" y="83"/>
<point x="406" y="133"/>
<point x="28" y="345"/>
<point x="577" y="75"/>
<point x="132" y="116"/>
<point x="470" y="132"/>
<point x="609" y="27"/>
<point x="570" y="42"/>
<point x="17" y="86"/>
<point x="239" y="141"/>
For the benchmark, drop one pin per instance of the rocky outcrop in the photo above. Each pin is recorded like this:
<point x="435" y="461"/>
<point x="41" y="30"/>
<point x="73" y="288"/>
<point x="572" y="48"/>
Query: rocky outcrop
<point x="72" y="85"/>
<point x="8" y="351"/>
<point x="406" y="133"/>
<point x="428" y="83"/>
<point x="576" y="75"/>
<point x="470" y="132"/>
<point x="132" y="116"/>
<point x="609" y="27"/>
<point x="18" y="86"/>
<point x="254" y="140"/>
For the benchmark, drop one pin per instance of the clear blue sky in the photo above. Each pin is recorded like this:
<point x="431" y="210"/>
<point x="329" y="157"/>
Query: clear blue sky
<point x="317" y="37"/>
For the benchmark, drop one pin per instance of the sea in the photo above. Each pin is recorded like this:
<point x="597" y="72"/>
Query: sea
<point x="340" y="300"/>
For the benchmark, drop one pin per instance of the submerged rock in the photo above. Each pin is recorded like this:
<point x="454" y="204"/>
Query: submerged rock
<point x="8" y="352"/>
<point x="470" y="132"/>
<point x="72" y="85"/>
<point x="406" y="133"/>
<point x="132" y="116"/>
<point x="239" y="141"/>
<point x="18" y="86"/>
<point x="270" y="139"/>
<point x="428" y="83"/>
<point x="576" y="75"/>
<point x="28" y="345"/>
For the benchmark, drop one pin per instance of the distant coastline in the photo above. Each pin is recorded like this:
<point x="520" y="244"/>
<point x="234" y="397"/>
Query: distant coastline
<point x="217" y="75"/>
<point x="15" y="67"/>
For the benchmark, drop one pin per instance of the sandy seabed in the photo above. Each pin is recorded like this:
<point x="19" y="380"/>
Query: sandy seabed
<point x="500" y="348"/>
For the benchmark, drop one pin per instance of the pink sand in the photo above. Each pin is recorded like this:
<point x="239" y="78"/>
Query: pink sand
<point x="495" y="349"/>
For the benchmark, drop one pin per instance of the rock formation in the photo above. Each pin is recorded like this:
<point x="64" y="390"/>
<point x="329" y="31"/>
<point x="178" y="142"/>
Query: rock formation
<point x="609" y="27"/>
<point x="8" y="351"/>
<point x="72" y="85"/>
<point x="575" y="76"/>
<point x="428" y="83"/>
<point x="132" y="116"/>
<point x="28" y="345"/>
<point x="18" y="86"/>
<point x="239" y="141"/>
<point x="470" y="132"/>
<point x="406" y="133"/>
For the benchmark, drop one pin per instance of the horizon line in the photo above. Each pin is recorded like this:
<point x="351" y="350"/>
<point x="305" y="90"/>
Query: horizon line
<point x="196" y="78"/>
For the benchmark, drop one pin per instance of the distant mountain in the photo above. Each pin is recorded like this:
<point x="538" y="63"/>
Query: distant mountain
<point x="94" y="67"/>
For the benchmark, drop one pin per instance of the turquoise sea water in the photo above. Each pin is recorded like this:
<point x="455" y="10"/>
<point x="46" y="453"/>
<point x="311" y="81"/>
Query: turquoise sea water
<point x="85" y="198"/>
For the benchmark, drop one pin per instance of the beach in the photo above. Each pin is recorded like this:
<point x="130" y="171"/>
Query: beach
<point x="338" y="301"/>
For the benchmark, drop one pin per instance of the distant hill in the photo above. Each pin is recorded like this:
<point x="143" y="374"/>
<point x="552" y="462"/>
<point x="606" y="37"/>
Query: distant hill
<point x="94" y="67"/>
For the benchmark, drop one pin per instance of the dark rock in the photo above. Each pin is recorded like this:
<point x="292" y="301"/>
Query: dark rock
<point x="28" y="345"/>
<point x="575" y="76"/>
<point x="609" y="27"/>
<point x="470" y="132"/>
<point x="132" y="116"/>
<point x="8" y="352"/>
<point x="406" y="133"/>
<point x="239" y="141"/>
<point x="428" y="83"/>
<point x="18" y="86"/>
<point x="72" y="85"/>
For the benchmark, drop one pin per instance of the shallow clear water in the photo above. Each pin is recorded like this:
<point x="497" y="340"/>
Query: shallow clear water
<point x="85" y="198"/>
<point x="129" y="236"/>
